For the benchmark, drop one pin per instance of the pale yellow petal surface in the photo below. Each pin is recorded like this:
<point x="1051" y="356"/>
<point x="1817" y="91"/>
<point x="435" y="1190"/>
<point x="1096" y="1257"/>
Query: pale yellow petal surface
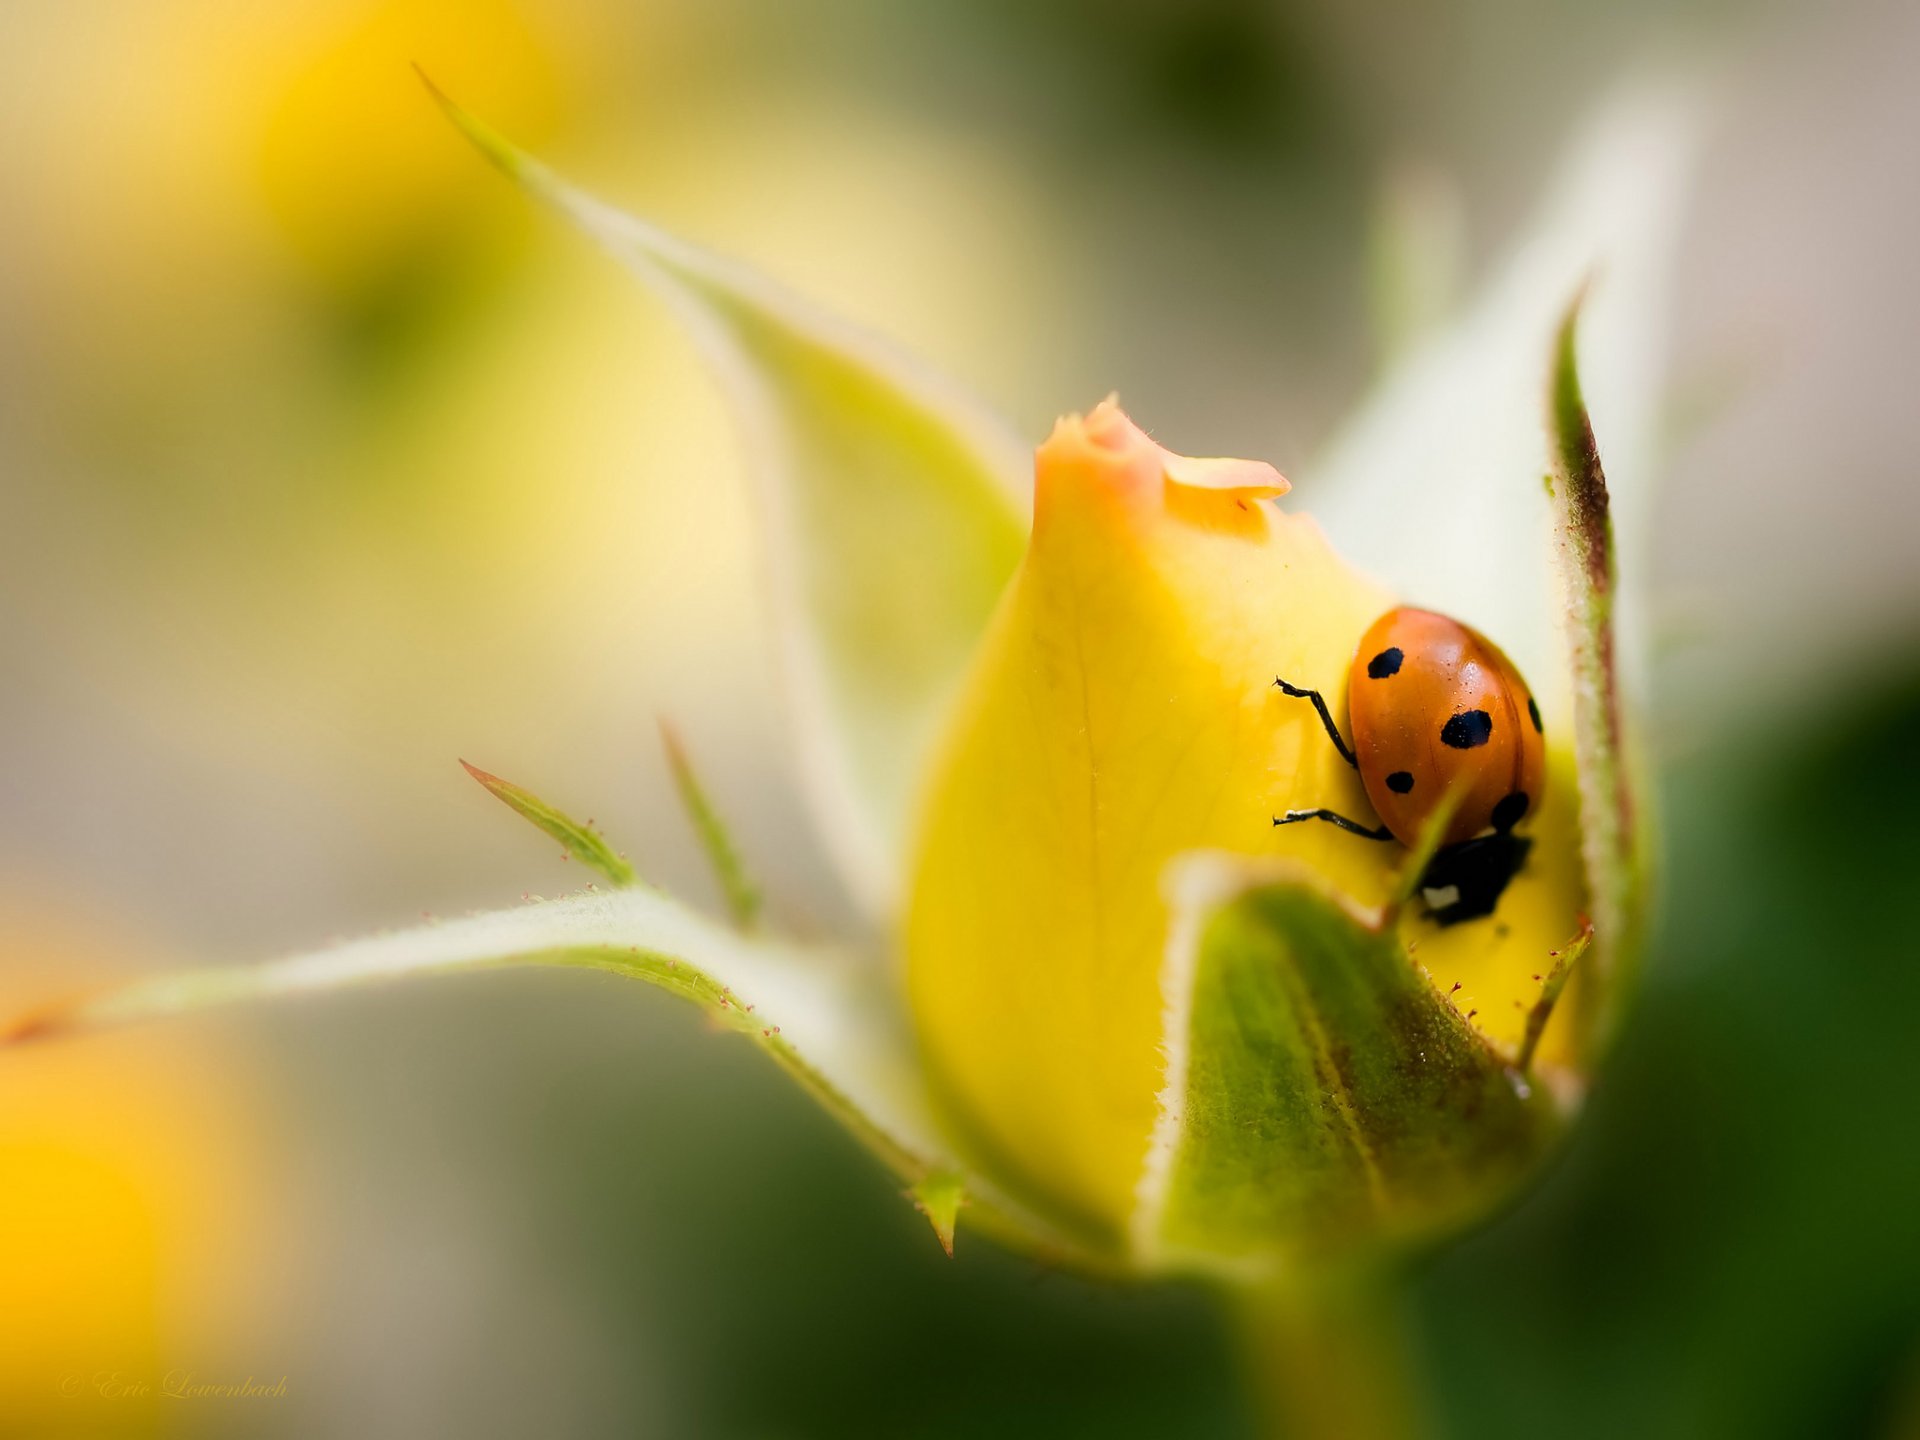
<point x="1120" y="713"/>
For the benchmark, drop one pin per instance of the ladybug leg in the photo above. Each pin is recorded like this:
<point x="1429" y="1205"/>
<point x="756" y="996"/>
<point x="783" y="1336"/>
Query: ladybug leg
<point x="1352" y="827"/>
<point x="1333" y="731"/>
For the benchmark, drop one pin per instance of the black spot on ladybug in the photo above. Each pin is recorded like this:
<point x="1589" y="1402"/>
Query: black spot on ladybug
<point x="1507" y="813"/>
<point x="1400" y="782"/>
<point x="1533" y="714"/>
<point x="1386" y="663"/>
<point x="1466" y="730"/>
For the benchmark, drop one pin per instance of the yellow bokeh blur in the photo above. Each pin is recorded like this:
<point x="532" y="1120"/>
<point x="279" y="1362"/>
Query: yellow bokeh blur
<point x="135" y="1184"/>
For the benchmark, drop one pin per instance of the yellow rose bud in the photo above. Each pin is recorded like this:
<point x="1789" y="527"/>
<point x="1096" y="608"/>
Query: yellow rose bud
<point x="1122" y="712"/>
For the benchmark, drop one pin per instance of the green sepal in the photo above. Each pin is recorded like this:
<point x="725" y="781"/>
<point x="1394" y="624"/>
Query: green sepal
<point x="823" y="1015"/>
<point x="1615" y="837"/>
<point x="1324" y="1103"/>
<point x="892" y="507"/>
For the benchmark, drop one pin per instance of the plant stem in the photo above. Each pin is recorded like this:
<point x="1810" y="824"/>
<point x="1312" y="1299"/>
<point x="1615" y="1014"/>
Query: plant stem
<point x="1330" y="1358"/>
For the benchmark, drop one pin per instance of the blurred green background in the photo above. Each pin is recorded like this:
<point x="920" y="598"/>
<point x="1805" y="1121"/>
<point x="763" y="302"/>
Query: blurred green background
<point x="324" y="460"/>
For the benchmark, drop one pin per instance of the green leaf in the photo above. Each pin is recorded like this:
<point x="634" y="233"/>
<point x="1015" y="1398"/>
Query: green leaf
<point x="578" y="841"/>
<point x="1613" y="835"/>
<point x="810" y="1010"/>
<point x="892" y="510"/>
<point x="1451" y="443"/>
<point x="742" y="895"/>
<point x="1323" y="1102"/>
<point x="819" y="1014"/>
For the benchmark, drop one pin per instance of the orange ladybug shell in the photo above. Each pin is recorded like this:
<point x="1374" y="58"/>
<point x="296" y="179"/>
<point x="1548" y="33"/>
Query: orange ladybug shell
<point x="1435" y="706"/>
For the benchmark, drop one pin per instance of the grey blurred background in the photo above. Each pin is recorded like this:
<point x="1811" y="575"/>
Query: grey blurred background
<point x="327" y="461"/>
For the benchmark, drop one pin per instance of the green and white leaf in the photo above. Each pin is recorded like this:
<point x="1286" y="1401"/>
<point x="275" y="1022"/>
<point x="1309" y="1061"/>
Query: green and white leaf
<point x="892" y="509"/>
<point x="1613" y="836"/>
<point x="1452" y="446"/>
<point x="817" y="1013"/>
<point x="1322" y="1100"/>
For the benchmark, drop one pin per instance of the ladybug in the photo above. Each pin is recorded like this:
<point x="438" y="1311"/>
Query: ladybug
<point x="1437" y="711"/>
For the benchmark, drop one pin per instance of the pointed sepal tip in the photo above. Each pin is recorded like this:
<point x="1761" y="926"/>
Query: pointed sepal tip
<point x="579" y="841"/>
<point x="939" y="1196"/>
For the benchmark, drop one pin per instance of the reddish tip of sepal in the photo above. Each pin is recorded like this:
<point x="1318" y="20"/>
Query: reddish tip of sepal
<point x="939" y="1198"/>
<point x="34" y="1025"/>
<point x="942" y="1233"/>
<point x="492" y="784"/>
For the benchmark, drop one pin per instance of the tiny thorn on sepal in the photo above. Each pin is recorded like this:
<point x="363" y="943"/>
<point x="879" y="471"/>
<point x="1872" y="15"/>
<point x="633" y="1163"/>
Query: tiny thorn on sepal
<point x="742" y="894"/>
<point x="939" y="1196"/>
<point x="1541" y="1011"/>
<point x="577" y="840"/>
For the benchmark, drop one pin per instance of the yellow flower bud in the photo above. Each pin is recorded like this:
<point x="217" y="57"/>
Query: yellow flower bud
<point x="1122" y="712"/>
